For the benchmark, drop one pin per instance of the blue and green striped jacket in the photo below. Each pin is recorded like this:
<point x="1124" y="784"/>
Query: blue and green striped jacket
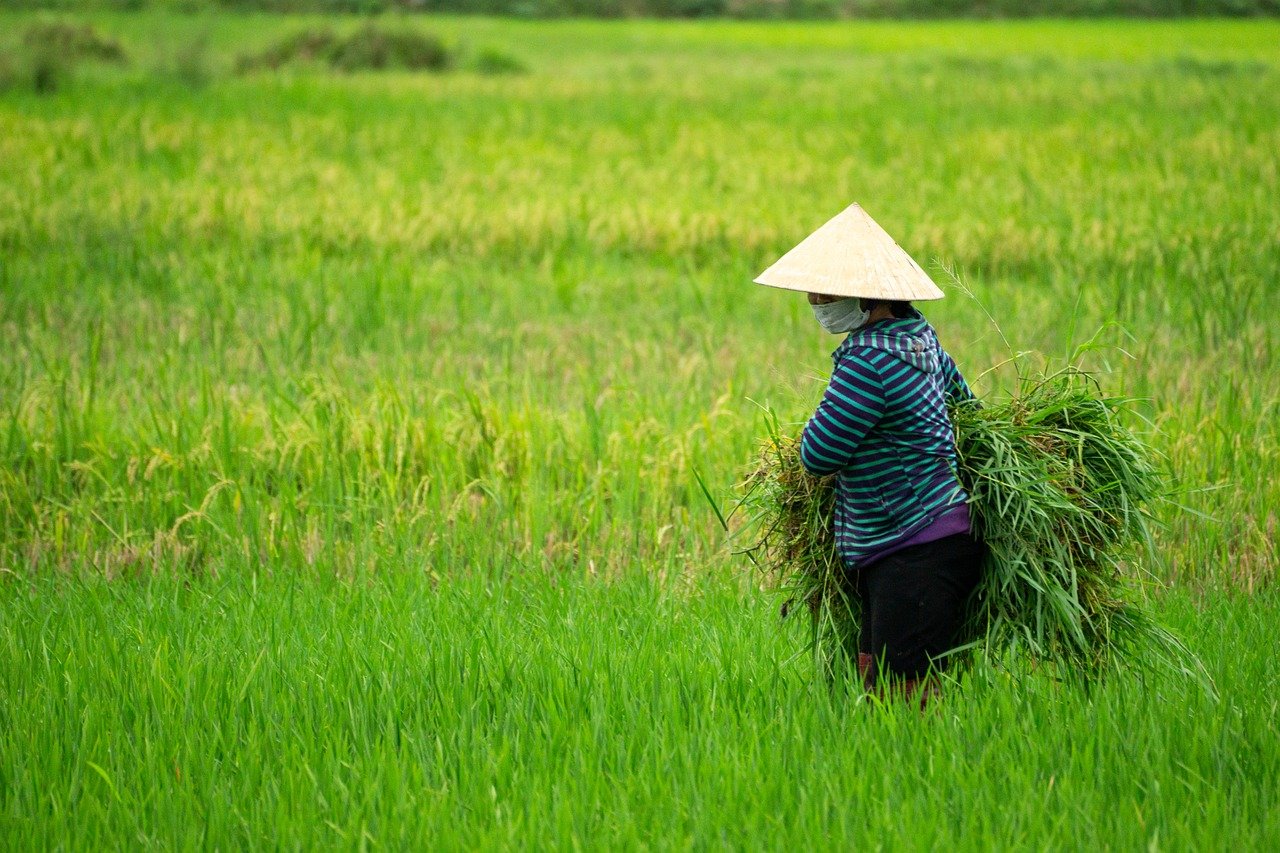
<point x="883" y="428"/>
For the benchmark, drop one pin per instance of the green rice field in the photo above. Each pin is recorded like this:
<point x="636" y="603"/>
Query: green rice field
<point x="353" y="427"/>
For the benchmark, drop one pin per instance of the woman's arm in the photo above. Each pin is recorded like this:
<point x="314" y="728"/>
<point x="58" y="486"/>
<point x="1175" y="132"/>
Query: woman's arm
<point x="852" y="405"/>
<point x="957" y="390"/>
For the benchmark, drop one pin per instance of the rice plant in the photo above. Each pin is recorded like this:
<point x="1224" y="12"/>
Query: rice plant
<point x="348" y="423"/>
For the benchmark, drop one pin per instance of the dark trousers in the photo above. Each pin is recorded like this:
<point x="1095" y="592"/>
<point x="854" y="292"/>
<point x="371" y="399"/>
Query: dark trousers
<point x="913" y="602"/>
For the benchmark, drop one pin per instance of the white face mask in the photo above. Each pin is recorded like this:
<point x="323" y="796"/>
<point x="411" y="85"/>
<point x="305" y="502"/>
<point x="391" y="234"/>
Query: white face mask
<point x="843" y="315"/>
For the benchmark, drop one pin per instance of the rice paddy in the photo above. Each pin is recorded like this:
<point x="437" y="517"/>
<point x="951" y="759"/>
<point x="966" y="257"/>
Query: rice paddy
<point x="354" y="427"/>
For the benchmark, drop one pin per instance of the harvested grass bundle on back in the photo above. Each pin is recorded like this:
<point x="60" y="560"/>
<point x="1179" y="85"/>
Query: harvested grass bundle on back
<point x="1059" y="489"/>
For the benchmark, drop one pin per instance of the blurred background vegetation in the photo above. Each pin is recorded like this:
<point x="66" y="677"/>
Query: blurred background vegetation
<point x="800" y="9"/>
<point x="359" y="377"/>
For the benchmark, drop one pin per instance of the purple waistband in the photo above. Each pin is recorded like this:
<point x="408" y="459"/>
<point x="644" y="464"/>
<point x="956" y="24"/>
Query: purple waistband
<point x="954" y="520"/>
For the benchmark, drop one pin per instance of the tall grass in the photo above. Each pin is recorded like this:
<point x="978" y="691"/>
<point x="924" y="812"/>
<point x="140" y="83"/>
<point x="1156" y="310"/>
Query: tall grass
<point x="199" y="286"/>
<point x="329" y="401"/>
<point x="518" y="711"/>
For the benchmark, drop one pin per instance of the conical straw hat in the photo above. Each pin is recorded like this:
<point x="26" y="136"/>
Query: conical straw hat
<point x="851" y="256"/>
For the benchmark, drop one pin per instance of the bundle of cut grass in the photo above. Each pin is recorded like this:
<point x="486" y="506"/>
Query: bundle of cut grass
<point x="1059" y="489"/>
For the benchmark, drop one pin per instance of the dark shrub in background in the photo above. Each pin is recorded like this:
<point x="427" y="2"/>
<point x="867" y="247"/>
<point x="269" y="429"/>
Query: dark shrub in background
<point x="493" y="61"/>
<point x="374" y="48"/>
<point x="50" y="51"/>
<point x="313" y="45"/>
<point x="369" y="47"/>
<point x="72" y="42"/>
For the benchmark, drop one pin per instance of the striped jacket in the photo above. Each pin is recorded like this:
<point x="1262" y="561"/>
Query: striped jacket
<point x="883" y="428"/>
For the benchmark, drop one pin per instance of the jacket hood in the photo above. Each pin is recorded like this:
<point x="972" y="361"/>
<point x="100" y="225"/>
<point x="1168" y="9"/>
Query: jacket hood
<point x="909" y="339"/>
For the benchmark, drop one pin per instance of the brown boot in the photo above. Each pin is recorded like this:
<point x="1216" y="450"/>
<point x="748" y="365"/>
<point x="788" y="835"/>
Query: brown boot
<point x="867" y="670"/>
<point x="922" y="690"/>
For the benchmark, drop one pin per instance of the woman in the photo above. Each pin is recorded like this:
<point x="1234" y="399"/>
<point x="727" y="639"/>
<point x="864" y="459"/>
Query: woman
<point x="902" y="522"/>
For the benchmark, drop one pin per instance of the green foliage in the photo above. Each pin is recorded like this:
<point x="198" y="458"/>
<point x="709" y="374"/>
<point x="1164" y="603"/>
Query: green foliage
<point x="368" y="48"/>
<point x="747" y="9"/>
<point x="10" y="73"/>
<point x="1056" y="8"/>
<point x="495" y="61"/>
<point x="349" y="428"/>
<point x="48" y="70"/>
<point x="504" y="709"/>
<point x="70" y="43"/>
<point x="529" y="269"/>
<point x="787" y="534"/>
<point x="50" y="50"/>
<point x="1060" y="493"/>
<point x="310" y="45"/>
<point x="189" y="63"/>
<point x="373" y="48"/>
